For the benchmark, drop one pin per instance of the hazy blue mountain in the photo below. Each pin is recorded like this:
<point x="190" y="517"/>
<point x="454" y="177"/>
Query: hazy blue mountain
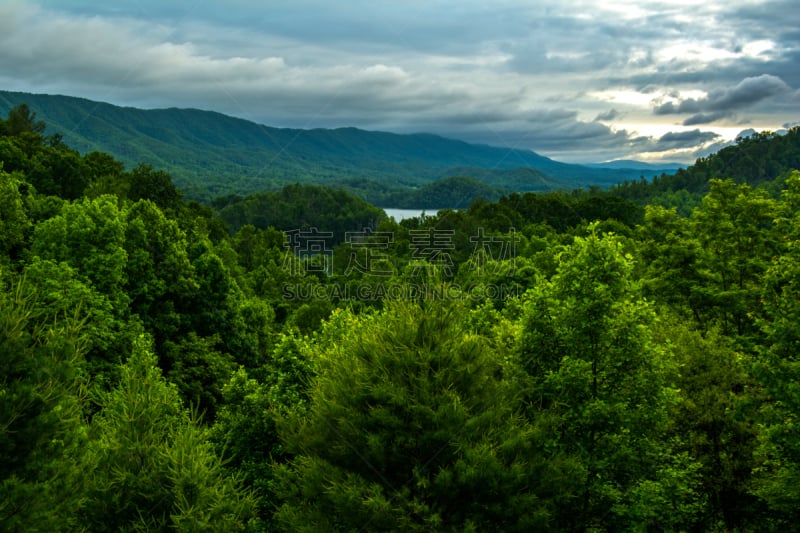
<point x="211" y="154"/>
<point x="638" y="165"/>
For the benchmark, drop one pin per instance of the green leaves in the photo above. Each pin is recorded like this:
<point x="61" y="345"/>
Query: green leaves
<point x="151" y="464"/>
<point x="734" y="228"/>
<point x="156" y="186"/>
<point x="778" y="370"/>
<point x="90" y="237"/>
<point x="586" y="343"/>
<point x="15" y="225"/>
<point x="41" y="433"/>
<point x="411" y="425"/>
<point x="581" y="405"/>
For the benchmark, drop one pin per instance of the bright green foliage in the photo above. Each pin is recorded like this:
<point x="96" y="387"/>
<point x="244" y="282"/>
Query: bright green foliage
<point x="267" y="266"/>
<point x="733" y="227"/>
<point x="710" y="267"/>
<point x="15" y="225"/>
<point x="288" y="372"/>
<point x="215" y="307"/>
<point x="61" y="293"/>
<point x="157" y="272"/>
<point x="681" y="200"/>
<point x="778" y="476"/>
<point x="485" y="279"/>
<point x="579" y="406"/>
<point x="150" y="464"/>
<point x="791" y="195"/>
<point x="190" y="308"/>
<point x="42" y="436"/>
<point x="411" y="426"/>
<point x="90" y="237"/>
<point x="258" y="318"/>
<point x="158" y="262"/>
<point x="587" y="345"/>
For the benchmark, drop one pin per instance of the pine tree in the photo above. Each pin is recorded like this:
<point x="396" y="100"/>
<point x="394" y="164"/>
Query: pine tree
<point x="412" y="425"/>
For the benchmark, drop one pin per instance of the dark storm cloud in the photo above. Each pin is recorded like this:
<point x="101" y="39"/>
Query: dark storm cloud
<point x="722" y="102"/>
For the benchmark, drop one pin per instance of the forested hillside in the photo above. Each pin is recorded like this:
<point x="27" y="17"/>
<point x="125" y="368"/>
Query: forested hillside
<point x="211" y="154"/>
<point x="547" y="362"/>
<point x="761" y="159"/>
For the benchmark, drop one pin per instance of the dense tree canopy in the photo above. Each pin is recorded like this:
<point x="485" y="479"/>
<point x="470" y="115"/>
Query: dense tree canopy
<point x="621" y="360"/>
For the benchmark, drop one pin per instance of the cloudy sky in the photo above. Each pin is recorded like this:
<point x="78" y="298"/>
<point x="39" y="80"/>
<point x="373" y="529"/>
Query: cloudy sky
<point x="576" y="80"/>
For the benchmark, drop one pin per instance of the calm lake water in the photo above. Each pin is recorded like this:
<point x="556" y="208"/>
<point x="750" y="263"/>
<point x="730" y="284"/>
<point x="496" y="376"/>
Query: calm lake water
<point x="400" y="214"/>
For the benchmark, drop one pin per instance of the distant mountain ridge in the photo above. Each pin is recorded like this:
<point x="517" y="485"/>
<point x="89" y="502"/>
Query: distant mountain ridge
<point x="761" y="160"/>
<point x="212" y="154"/>
<point x="637" y="165"/>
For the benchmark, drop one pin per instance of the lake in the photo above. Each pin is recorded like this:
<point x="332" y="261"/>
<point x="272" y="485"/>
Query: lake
<point x="401" y="214"/>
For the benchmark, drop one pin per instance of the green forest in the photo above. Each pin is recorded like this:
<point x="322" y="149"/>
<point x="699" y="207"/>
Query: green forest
<point x="587" y="360"/>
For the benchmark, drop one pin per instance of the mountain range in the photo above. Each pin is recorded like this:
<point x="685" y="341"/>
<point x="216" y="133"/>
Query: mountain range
<point x="211" y="154"/>
<point x="630" y="164"/>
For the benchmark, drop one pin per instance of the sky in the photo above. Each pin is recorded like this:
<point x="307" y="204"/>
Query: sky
<point x="575" y="80"/>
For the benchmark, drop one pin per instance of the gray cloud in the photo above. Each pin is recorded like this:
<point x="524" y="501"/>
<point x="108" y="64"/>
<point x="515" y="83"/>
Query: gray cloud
<point x="512" y="72"/>
<point x="707" y="118"/>
<point x="684" y="139"/>
<point x="721" y="103"/>
<point x="748" y="92"/>
<point x="609" y="115"/>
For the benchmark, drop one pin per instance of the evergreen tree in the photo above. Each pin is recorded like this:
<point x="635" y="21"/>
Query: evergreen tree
<point x="15" y="225"/>
<point x="412" y="426"/>
<point x="151" y="466"/>
<point x="42" y="435"/>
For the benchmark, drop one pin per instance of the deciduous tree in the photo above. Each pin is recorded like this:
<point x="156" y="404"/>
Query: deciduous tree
<point x="586" y="343"/>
